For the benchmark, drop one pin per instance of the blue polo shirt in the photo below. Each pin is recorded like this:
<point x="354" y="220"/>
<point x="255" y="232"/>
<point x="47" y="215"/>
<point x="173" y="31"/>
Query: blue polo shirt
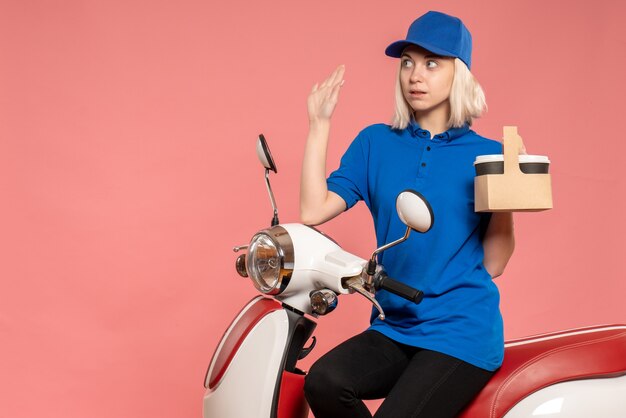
<point x="460" y="314"/>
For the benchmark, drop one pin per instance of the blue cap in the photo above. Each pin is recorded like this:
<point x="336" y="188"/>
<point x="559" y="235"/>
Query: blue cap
<point x="439" y="33"/>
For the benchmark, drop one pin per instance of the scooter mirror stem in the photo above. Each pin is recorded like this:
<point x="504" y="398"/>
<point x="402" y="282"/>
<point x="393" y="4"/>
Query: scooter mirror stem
<point x="275" y="220"/>
<point x="371" y="265"/>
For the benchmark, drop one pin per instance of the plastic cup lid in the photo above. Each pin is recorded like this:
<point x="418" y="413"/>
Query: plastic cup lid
<point x="523" y="158"/>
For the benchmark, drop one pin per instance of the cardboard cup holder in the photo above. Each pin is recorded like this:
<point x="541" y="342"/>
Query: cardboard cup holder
<point x="512" y="182"/>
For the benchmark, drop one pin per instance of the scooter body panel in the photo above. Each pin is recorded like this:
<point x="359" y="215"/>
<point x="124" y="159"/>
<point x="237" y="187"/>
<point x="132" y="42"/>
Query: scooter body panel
<point x="236" y="333"/>
<point x="534" y="364"/>
<point x="320" y="263"/>
<point x="597" y="398"/>
<point x="248" y="385"/>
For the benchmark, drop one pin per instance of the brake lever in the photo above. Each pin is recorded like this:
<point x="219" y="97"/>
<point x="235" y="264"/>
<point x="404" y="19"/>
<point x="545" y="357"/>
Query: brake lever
<point x="355" y="283"/>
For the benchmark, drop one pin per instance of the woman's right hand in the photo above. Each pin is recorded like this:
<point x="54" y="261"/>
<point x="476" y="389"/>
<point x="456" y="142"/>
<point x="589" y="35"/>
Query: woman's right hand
<point x="323" y="98"/>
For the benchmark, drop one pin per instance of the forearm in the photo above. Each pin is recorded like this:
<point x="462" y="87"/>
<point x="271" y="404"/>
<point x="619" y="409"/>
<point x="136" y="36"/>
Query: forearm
<point x="499" y="243"/>
<point x="313" y="189"/>
<point x="498" y="257"/>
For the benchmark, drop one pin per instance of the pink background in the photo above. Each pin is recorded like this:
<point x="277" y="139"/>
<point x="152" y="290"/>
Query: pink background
<point x="127" y="172"/>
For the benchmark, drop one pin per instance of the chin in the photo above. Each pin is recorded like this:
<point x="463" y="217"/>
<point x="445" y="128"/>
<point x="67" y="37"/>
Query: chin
<point x="424" y="106"/>
<point x="421" y="107"/>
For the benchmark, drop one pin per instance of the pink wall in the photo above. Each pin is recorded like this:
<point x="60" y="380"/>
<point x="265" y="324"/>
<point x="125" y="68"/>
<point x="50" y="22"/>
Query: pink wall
<point x="127" y="173"/>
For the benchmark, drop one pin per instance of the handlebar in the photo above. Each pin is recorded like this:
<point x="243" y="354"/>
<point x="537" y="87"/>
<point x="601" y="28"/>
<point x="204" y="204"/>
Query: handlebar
<point x="383" y="281"/>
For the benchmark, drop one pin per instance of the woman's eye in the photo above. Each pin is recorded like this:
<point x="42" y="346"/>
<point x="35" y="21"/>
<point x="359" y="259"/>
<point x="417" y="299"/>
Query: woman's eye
<point x="431" y="64"/>
<point x="406" y="63"/>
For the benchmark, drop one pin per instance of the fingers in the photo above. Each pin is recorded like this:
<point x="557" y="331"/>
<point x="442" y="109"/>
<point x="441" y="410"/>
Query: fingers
<point x="336" y="75"/>
<point x="328" y="79"/>
<point x="324" y="97"/>
<point x="334" y="95"/>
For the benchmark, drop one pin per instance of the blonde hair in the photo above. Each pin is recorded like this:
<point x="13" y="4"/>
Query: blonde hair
<point x="467" y="99"/>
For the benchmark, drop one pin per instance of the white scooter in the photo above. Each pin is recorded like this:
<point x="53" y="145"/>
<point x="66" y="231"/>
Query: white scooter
<point x="300" y="271"/>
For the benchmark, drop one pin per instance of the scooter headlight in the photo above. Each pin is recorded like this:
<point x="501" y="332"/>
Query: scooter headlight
<point x="270" y="260"/>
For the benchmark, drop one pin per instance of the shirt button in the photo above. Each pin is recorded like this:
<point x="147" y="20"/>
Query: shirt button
<point x="423" y="164"/>
<point x="423" y="133"/>
<point x="427" y="148"/>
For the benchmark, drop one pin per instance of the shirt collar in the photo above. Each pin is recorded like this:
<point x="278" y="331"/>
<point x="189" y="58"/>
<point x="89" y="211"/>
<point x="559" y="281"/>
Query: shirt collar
<point x="448" y="135"/>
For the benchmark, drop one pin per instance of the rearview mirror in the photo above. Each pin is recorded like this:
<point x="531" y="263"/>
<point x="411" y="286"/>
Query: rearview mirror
<point x="415" y="211"/>
<point x="264" y="154"/>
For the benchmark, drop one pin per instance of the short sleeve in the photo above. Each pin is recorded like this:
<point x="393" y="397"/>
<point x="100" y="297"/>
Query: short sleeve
<point x="350" y="180"/>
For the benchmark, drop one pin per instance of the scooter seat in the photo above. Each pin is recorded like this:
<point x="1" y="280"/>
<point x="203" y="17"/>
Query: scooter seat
<point x="535" y="362"/>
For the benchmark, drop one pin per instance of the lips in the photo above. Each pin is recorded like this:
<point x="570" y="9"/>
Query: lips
<point x="417" y="94"/>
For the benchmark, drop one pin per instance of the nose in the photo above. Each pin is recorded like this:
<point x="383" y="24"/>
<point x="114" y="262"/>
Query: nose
<point x="417" y="74"/>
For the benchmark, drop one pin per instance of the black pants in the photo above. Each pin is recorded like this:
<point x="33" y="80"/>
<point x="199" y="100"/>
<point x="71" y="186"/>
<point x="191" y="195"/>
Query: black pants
<point x="415" y="382"/>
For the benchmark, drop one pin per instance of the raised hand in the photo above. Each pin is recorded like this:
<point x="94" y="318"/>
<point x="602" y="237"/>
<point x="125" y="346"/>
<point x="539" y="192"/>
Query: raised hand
<point x="323" y="97"/>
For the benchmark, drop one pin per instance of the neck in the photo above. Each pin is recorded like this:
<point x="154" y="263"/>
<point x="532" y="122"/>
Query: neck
<point x="435" y="120"/>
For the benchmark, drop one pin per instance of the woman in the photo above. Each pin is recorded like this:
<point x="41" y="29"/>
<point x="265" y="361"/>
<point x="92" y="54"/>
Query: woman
<point x="431" y="359"/>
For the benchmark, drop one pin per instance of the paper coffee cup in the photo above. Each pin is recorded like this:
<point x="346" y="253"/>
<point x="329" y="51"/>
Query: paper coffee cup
<point x="528" y="164"/>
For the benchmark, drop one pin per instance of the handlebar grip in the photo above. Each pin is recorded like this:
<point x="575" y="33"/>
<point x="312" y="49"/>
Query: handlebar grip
<point x="385" y="282"/>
